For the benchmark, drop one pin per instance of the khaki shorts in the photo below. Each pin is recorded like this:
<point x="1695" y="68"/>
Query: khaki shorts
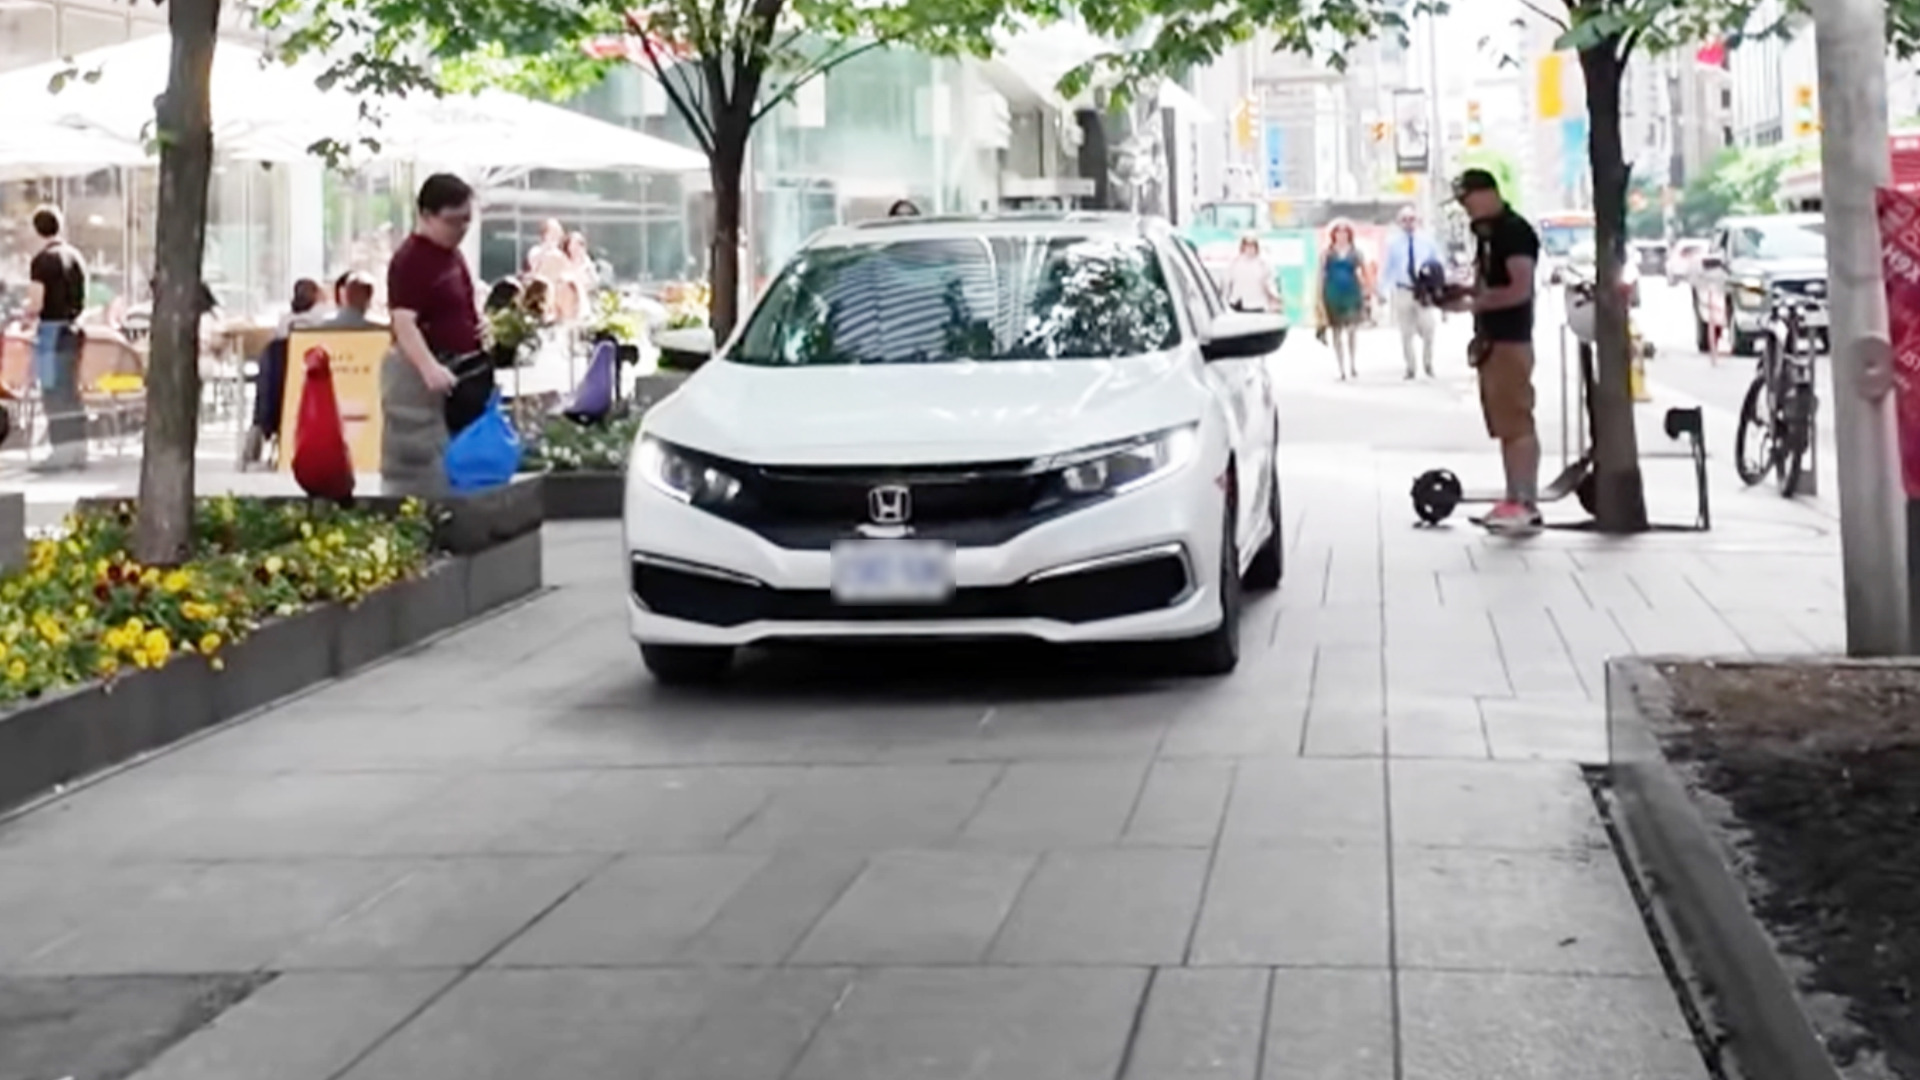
<point x="1506" y="389"/>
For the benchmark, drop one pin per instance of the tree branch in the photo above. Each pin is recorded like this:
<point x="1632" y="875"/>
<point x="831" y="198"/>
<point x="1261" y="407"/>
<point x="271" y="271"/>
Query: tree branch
<point x="1545" y="14"/>
<point x="831" y="61"/>
<point x="697" y="121"/>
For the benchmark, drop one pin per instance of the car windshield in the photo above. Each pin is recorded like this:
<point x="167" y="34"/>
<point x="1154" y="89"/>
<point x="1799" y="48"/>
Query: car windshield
<point x="934" y="301"/>
<point x="1780" y="240"/>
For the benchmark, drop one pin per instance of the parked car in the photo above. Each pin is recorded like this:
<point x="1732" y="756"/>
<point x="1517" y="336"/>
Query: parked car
<point x="1582" y="266"/>
<point x="1683" y="259"/>
<point x="1749" y="261"/>
<point x="1041" y="426"/>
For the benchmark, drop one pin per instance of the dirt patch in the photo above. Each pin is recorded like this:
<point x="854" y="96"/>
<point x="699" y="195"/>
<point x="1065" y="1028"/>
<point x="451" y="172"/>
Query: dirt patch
<point x="105" y="1027"/>
<point x="1819" y="767"/>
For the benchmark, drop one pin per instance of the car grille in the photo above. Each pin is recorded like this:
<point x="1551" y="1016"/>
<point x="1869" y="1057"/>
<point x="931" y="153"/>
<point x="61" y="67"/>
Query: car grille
<point x="1811" y="288"/>
<point x="971" y="505"/>
<point x="1106" y="592"/>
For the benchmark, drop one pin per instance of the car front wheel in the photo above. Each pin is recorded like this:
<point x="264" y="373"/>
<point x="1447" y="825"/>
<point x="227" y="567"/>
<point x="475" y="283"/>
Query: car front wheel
<point x="687" y="665"/>
<point x="1217" y="652"/>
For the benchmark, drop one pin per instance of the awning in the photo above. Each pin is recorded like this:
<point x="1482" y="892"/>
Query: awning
<point x="30" y="149"/>
<point x="267" y="111"/>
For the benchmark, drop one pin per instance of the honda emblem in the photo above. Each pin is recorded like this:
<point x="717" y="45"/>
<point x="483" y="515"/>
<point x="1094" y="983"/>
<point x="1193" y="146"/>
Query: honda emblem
<point x="890" y="505"/>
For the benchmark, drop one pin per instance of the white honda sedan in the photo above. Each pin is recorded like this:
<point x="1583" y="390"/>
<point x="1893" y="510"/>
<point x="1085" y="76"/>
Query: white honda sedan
<point x="1042" y="427"/>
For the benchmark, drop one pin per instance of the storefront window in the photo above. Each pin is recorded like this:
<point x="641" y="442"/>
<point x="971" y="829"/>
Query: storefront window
<point x="26" y="34"/>
<point x="83" y="31"/>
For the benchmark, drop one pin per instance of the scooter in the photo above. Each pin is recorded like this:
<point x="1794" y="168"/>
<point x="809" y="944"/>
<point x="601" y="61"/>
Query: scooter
<point x="1437" y="493"/>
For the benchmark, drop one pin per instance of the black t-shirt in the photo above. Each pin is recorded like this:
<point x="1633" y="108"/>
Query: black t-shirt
<point x="1500" y="239"/>
<point x="63" y="282"/>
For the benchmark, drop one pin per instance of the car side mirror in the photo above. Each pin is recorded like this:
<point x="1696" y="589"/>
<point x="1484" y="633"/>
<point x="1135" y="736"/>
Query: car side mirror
<point x="1713" y="261"/>
<point x="1241" y="335"/>
<point x="697" y="340"/>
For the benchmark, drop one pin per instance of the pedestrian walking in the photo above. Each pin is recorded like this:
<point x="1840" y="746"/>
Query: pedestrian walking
<point x="1414" y="279"/>
<point x="1343" y="296"/>
<point x="56" y="297"/>
<point x="436" y="333"/>
<point x="1506" y="252"/>
<point x="1250" y="283"/>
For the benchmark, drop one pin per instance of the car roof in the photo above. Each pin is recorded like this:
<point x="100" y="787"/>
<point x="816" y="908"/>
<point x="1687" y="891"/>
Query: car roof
<point x="1076" y="223"/>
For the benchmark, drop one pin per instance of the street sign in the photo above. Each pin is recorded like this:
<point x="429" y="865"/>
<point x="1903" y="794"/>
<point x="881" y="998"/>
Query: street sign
<point x="1412" y="150"/>
<point x="1276" y="151"/>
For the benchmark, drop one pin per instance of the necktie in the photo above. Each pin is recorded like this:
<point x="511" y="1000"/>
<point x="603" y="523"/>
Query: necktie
<point x="1413" y="267"/>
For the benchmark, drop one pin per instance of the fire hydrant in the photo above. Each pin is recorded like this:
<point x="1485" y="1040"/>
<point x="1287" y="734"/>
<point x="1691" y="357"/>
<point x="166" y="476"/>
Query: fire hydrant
<point x="1637" y="374"/>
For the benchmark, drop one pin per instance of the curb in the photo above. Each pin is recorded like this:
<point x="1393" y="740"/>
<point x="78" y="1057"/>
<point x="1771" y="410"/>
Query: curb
<point x="1687" y="870"/>
<point x="67" y="737"/>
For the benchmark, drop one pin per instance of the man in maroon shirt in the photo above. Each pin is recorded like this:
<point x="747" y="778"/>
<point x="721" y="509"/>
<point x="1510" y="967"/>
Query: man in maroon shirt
<point x="436" y="325"/>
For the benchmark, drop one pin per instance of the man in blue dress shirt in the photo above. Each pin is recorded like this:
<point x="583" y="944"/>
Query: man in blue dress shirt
<point x="1411" y="273"/>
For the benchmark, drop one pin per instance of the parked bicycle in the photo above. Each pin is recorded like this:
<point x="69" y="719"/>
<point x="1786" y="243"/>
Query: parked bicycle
<point x="1778" y="417"/>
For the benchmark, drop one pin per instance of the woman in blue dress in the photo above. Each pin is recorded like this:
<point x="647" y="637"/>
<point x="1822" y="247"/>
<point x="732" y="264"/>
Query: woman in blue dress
<point x="1344" y="287"/>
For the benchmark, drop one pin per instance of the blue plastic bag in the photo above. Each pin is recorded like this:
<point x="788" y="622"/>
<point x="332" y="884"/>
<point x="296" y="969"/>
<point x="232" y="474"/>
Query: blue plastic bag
<point x="486" y="453"/>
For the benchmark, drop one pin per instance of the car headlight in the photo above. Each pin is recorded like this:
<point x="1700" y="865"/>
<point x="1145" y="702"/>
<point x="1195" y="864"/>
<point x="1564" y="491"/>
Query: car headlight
<point x="683" y="476"/>
<point x="1750" y="293"/>
<point x="1111" y="468"/>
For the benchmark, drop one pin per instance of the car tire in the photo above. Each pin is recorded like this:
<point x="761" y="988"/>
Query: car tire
<point x="1269" y="563"/>
<point x="687" y="665"/>
<point x="1217" y="652"/>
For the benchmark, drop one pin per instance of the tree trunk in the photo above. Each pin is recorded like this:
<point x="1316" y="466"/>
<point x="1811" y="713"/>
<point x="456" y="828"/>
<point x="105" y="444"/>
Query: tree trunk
<point x="1621" y="504"/>
<point x="727" y="168"/>
<point x="164" y="533"/>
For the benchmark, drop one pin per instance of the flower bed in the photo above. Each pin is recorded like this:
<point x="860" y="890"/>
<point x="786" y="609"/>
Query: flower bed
<point x="83" y="609"/>
<point x="583" y="467"/>
<point x="103" y="659"/>
<point x="1776" y="808"/>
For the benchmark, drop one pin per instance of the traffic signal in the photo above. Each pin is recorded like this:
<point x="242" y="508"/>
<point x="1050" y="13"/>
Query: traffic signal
<point x="1806" y="120"/>
<point x="1473" y="123"/>
<point x="1243" y="123"/>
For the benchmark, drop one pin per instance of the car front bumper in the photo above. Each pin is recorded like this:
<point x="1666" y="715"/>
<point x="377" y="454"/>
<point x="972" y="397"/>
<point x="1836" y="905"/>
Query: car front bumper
<point x="1138" y="567"/>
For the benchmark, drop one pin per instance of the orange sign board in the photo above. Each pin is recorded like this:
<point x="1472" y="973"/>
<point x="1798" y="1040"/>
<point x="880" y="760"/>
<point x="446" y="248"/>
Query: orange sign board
<point x="355" y="357"/>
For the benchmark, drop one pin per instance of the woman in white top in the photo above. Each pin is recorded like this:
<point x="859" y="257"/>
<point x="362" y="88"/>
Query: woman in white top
<point x="1250" y="284"/>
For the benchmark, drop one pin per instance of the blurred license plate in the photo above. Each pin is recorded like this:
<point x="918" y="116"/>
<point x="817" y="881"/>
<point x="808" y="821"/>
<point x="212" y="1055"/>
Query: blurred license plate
<point x="892" y="571"/>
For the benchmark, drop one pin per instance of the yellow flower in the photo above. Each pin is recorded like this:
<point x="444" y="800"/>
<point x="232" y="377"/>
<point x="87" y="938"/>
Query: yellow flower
<point x="306" y="529"/>
<point x="107" y="664"/>
<point x="17" y="671"/>
<point x="275" y="564"/>
<point x="149" y="577"/>
<point x="176" y="582"/>
<point x="209" y="643"/>
<point x="157" y="644"/>
<point x="336" y="538"/>
<point x="81" y="611"/>
<point x="217" y="664"/>
<point x="136" y="626"/>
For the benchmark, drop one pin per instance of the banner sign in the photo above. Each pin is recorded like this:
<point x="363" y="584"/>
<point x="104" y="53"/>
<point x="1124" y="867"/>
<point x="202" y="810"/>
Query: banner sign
<point x="1900" y="265"/>
<point x="1412" y="144"/>
<point x="354" y="357"/>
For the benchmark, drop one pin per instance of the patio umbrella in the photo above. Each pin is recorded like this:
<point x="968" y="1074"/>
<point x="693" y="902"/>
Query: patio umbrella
<point x="31" y="149"/>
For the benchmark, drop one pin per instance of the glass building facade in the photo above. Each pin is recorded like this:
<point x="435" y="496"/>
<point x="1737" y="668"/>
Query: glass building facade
<point x="887" y="125"/>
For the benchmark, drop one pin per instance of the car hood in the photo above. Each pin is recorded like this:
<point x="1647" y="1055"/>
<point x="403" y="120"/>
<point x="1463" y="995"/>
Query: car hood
<point x="925" y="413"/>
<point x="1785" y="268"/>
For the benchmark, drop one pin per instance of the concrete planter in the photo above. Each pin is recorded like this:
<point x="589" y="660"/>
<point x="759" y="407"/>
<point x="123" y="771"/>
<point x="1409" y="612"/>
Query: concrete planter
<point x="77" y="732"/>
<point x="583" y="496"/>
<point x="1680" y="844"/>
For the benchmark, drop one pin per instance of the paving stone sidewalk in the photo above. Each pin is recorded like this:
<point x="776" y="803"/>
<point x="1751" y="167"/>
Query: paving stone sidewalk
<point x="1369" y="855"/>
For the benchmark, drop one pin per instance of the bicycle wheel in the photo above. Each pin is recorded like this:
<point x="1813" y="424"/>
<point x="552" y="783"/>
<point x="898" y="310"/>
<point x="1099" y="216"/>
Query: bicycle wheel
<point x="1796" y="436"/>
<point x="1753" y="453"/>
